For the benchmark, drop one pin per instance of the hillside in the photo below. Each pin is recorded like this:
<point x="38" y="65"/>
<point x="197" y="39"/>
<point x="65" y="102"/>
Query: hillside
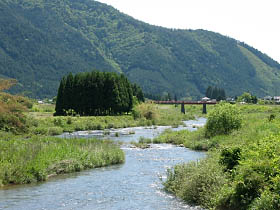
<point x="42" y="40"/>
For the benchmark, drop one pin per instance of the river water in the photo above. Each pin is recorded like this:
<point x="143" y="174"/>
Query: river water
<point x="136" y="184"/>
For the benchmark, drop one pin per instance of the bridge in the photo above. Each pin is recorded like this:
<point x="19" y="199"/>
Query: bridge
<point x="203" y="103"/>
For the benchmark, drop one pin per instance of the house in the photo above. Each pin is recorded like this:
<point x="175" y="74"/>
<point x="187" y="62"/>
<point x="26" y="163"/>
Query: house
<point x="276" y="99"/>
<point x="205" y="99"/>
<point x="268" y="98"/>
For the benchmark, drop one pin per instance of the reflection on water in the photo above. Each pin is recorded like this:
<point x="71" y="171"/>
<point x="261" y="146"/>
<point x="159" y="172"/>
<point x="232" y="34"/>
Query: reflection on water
<point x="133" y="185"/>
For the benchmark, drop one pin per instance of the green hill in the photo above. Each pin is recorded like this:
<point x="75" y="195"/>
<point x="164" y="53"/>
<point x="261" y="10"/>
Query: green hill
<point x="42" y="40"/>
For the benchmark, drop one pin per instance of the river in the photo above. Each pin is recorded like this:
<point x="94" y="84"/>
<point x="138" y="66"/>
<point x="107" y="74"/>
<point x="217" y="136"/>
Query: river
<point x="136" y="184"/>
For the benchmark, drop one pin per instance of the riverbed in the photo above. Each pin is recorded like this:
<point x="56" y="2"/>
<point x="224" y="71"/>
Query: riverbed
<point x="136" y="184"/>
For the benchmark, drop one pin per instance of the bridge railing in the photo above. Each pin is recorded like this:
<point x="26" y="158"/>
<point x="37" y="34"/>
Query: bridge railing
<point x="185" y="102"/>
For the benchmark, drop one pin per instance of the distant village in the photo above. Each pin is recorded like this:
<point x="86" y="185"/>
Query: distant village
<point x="275" y="99"/>
<point x="265" y="100"/>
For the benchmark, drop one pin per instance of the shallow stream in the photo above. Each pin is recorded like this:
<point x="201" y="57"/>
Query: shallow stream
<point x="136" y="184"/>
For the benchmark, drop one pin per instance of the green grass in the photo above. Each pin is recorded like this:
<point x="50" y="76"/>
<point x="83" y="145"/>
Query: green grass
<point x="194" y="140"/>
<point x="44" y="123"/>
<point x="37" y="158"/>
<point x="253" y="183"/>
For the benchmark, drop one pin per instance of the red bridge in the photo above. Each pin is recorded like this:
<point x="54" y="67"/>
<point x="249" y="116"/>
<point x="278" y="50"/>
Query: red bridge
<point x="186" y="102"/>
<point x="204" y="103"/>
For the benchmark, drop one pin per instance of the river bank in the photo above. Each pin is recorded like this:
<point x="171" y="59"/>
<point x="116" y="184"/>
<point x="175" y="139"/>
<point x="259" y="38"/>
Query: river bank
<point x="38" y="158"/>
<point x="34" y="156"/>
<point x="241" y="170"/>
<point x="135" y="184"/>
<point x="44" y="123"/>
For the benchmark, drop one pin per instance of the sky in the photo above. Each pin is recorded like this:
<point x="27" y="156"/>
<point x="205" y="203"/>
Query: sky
<point x="255" y="22"/>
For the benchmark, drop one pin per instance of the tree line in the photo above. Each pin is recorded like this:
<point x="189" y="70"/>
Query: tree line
<point x="96" y="93"/>
<point x="215" y="93"/>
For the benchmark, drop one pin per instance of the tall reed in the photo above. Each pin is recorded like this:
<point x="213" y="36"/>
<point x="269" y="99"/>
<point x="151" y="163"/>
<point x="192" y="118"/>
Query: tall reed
<point x="36" y="159"/>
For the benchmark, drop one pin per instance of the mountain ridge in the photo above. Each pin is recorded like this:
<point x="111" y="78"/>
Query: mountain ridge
<point x="42" y="40"/>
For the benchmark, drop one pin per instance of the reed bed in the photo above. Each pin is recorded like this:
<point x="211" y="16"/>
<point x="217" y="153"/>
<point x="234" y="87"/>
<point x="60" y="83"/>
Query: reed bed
<point x="36" y="159"/>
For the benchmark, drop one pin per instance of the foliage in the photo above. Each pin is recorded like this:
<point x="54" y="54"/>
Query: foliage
<point x="77" y="36"/>
<point x="12" y="117"/>
<point x="215" y="93"/>
<point x="247" y="158"/>
<point x="196" y="182"/>
<point x="44" y="123"/>
<point x="248" y="98"/>
<point x="147" y="111"/>
<point x="223" y="119"/>
<point x="35" y="159"/>
<point x="96" y="93"/>
<point x="191" y="139"/>
<point x="230" y="158"/>
<point x="6" y="84"/>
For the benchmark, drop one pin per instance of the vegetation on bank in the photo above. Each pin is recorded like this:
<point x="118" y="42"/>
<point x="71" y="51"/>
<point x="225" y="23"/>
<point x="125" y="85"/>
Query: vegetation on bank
<point x="242" y="168"/>
<point x="27" y="157"/>
<point x="36" y="159"/>
<point x="12" y="108"/>
<point x="144" y="114"/>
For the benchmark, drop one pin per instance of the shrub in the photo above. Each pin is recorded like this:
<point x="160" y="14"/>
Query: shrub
<point x="223" y="119"/>
<point x="53" y="131"/>
<point x="69" y="120"/>
<point x="271" y="117"/>
<point x="40" y="131"/>
<point x="147" y="111"/>
<point x="267" y="201"/>
<point x="255" y="181"/>
<point x="196" y="182"/>
<point x="230" y="157"/>
<point x="57" y="122"/>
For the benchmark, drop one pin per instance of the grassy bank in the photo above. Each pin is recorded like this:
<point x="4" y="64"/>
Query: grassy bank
<point x="36" y="159"/>
<point x="194" y="140"/>
<point x="44" y="123"/>
<point x="242" y="169"/>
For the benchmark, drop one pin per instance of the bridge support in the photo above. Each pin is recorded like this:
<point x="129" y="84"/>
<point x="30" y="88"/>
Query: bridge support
<point x="204" y="110"/>
<point x="183" y="108"/>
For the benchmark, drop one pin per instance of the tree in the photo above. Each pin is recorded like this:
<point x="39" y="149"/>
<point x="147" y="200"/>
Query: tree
<point x="222" y="120"/>
<point x="60" y="100"/>
<point x="137" y="91"/>
<point x="245" y="97"/>
<point x="69" y="93"/>
<point x="96" y="93"/>
<point x="215" y="93"/>
<point x="6" y="84"/>
<point x="209" y="92"/>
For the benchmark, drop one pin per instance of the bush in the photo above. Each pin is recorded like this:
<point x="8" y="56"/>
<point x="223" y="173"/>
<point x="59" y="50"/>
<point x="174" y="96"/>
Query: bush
<point x="255" y="181"/>
<point x="57" y="122"/>
<point x="230" y="158"/>
<point x="196" y="182"/>
<point x="267" y="201"/>
<point x="69" y="120"/>
<point x="53" y="131"/>
<point x="147" y="111"/>
<point x="223" y="119"/>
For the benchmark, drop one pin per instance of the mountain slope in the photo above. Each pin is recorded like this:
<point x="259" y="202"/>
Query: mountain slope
<point x="42" y="40"/>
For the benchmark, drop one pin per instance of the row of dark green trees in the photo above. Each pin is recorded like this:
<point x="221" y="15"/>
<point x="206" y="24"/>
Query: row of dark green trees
<point x="215" y="93"/>
<point x="96" y="93"/>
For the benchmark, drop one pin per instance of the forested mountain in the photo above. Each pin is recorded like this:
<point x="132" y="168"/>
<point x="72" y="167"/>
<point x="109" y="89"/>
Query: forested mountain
<point x="43" y="40"/>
